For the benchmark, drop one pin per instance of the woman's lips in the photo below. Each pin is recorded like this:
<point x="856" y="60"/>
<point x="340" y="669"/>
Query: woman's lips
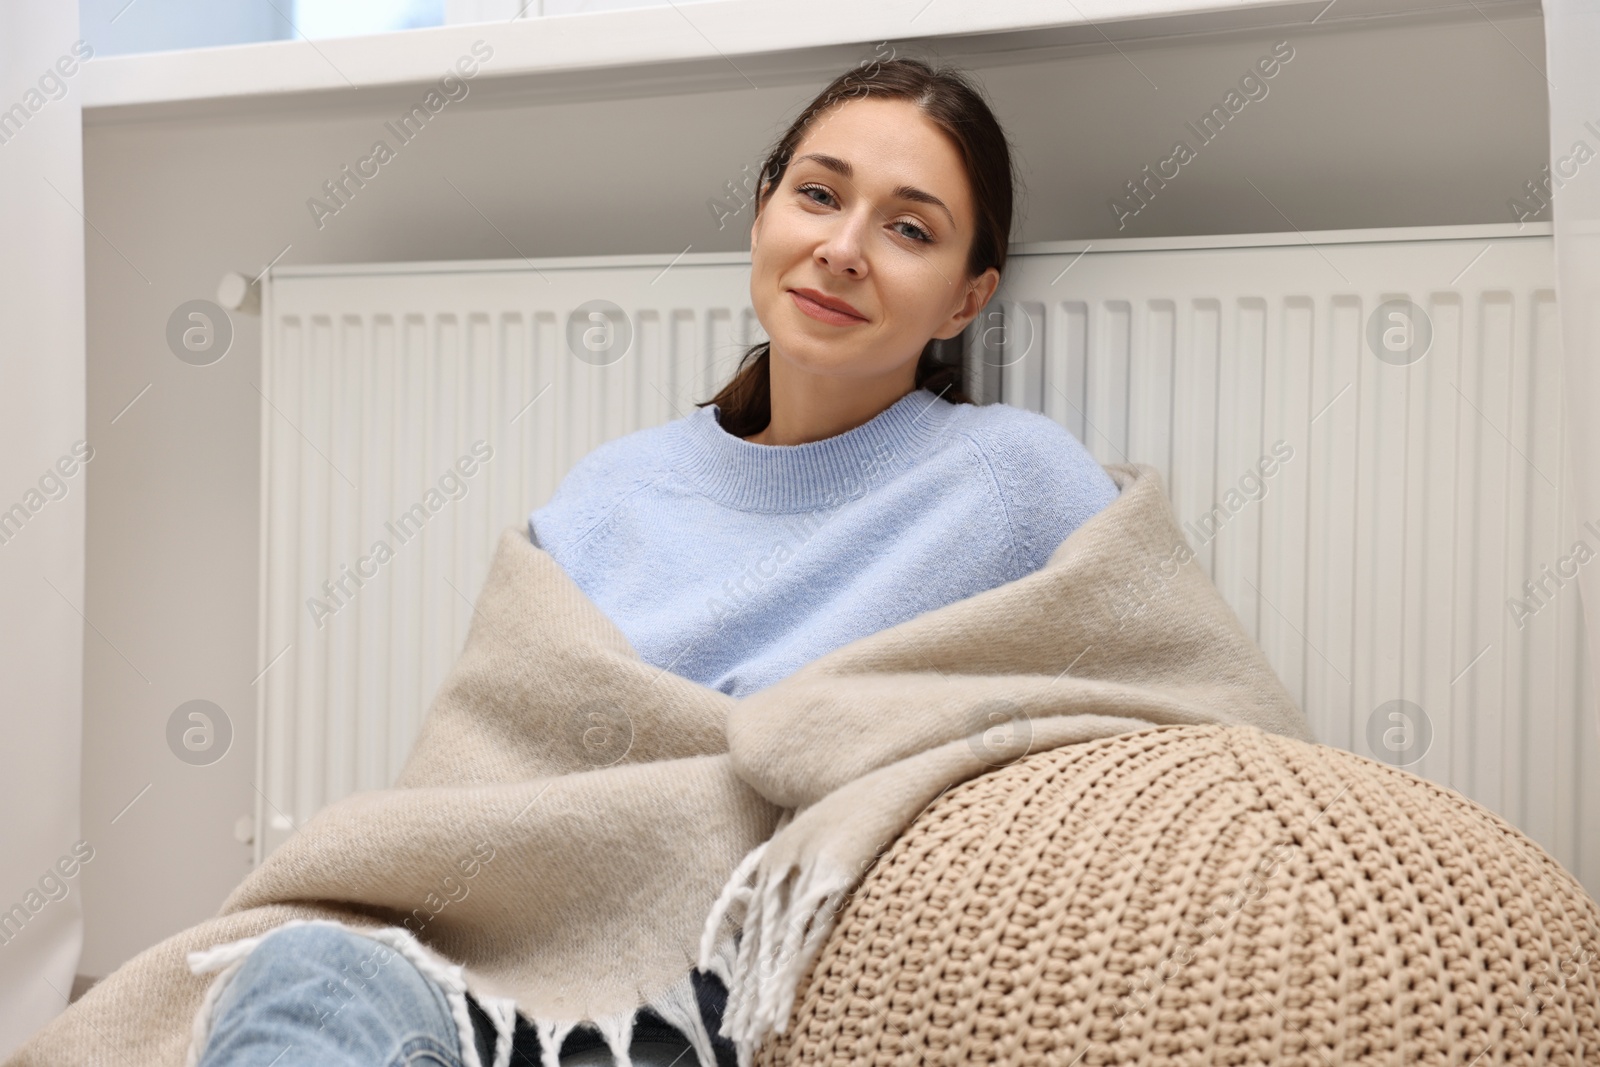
<point x="824" y="314"/>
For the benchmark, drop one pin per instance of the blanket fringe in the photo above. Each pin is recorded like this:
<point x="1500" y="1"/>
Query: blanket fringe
<point x="617" y="1030"/>
<point x="785" y="917"/>
<point x="551" y="1033"/>
<point x="678" y="1004"/>
<point x="226" y="959"/>
<point x="680" y="1007"/>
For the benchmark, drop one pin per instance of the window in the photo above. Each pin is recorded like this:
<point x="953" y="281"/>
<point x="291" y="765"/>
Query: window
<point x="118" y="27"/>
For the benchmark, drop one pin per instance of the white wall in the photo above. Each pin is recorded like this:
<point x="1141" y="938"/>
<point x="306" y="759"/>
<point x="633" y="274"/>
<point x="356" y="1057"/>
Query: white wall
<point x="41" y="545"/>
<point x="1573" y="37"/>
<point x="1398" y="122"/>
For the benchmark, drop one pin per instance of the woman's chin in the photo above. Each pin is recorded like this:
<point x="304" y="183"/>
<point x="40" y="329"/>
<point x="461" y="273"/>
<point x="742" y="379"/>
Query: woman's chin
<point x="814" y="357"/>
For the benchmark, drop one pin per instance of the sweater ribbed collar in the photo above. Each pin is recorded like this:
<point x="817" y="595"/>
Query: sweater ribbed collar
<point x="817" y="474"/>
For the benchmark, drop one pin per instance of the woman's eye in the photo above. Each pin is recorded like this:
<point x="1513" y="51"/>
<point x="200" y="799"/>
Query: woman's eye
<point x="920" y="235"/>
<point x="917" y="234"/>
<point x="807" y="190"/>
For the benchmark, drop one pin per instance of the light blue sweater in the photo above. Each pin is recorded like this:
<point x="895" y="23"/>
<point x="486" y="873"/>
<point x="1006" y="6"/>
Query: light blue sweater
<point x="733" y="564"/>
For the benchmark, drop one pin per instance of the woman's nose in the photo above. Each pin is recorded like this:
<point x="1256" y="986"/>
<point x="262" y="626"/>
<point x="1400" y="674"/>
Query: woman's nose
<point x="844" y="248"/>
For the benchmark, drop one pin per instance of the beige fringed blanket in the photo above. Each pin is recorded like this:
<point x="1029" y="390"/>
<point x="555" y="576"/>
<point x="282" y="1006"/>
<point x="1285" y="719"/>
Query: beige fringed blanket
<point x="575" y="829"/>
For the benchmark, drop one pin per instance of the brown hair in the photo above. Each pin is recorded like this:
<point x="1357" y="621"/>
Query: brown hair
<point x="956" y="107"/>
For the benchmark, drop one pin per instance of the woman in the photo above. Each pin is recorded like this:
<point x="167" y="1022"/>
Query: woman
<point x="839" y="484"/>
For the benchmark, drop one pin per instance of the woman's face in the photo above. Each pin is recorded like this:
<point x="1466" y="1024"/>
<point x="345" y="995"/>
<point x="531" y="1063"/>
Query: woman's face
<point x="873" y="210"/>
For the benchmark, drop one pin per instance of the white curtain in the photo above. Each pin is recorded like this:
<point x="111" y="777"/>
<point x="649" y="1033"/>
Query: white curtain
<point x="1572" y="68"/>
<point x="41" y="512"/>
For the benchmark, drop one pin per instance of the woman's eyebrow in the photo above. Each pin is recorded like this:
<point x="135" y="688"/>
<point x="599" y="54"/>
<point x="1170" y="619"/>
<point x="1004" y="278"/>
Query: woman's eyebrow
<point x="843" y="168"/>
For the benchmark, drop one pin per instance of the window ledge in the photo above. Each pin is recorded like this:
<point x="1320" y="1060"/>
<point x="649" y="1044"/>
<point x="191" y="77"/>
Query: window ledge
<point x="683" y="48"/>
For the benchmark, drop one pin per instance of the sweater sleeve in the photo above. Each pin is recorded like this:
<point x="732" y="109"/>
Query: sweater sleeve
<point x="1049" y="483"/>
<point x="587" y="495"/>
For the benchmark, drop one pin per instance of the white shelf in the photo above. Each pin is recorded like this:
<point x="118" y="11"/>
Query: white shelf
<point x="684" y="44"/>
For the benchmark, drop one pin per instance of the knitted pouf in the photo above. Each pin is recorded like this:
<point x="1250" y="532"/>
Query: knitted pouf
<point x="1204" y="895"/>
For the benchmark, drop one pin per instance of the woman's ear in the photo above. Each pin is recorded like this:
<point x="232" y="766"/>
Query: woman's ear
<point x="977" y="295"/>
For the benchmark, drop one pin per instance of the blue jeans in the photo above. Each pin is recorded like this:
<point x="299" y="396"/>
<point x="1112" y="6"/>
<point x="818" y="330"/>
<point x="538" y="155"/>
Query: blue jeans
<point x="325" y="996"/>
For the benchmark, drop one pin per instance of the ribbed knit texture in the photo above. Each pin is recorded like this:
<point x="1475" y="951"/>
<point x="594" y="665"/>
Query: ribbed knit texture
<point x="733" y="564"/>
<point x="1205" y="895"/>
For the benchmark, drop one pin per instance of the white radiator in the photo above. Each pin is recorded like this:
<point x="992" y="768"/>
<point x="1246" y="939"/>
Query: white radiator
<point x="378" y="380"/>
<point x="1407" y="500"/>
